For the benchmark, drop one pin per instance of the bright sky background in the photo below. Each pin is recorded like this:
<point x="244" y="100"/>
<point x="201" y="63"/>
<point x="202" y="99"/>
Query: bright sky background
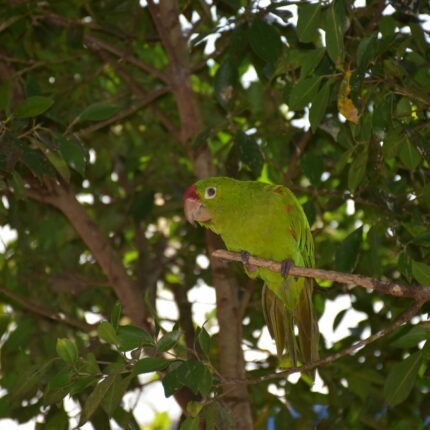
<point x="203" y="298"/>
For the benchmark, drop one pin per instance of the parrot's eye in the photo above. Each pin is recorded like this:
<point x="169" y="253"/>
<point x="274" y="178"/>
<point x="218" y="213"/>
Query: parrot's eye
<point x="210" y="193"/>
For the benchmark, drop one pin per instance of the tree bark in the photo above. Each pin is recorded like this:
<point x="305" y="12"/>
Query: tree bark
<point x="166" y="18"/>
<point x="127" y="291"/>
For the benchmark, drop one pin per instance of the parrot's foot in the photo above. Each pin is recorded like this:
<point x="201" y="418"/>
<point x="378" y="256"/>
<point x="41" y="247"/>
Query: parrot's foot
<point x="244" y="256"/>
<point x="286" y="266"/>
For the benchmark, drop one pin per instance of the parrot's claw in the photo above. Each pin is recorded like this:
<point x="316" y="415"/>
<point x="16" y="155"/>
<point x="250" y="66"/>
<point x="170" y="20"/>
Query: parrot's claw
<point x="244" y="256"/>
<point x="286" y="266"/>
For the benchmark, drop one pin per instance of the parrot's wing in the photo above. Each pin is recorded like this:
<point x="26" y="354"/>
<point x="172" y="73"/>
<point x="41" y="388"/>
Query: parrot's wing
<point x="295" y="217"/>
<point x="301" y="313"/>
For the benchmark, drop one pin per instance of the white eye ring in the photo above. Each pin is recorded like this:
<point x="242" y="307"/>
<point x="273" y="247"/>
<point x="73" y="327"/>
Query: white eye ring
<point x="210" y="192"/>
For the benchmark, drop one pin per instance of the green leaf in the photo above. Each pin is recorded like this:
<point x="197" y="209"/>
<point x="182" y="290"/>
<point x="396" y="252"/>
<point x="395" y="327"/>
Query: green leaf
<point x="18" y="186"/>
<point x="204" y="340"/>
<point x="412" y="338"/>
<point x="115" y="315"/>
<point x="303" y="92"/>
<point x="312" y="166"/>
<point x="423" y="238"/>
<point x="73" y="155"/>
<point x="192" y="374"/>
<point x="115" y="394"/>
<point x="409" y="155"/>
<point x="334" y="32"/>
<point x="194" y="408"/>
<point x="205" y="384"/>
<point x="401" y="379"/>
<point x="310" y="61"/>
<point x="426" y="194"/>
<point x="343" y="160"/>
<point x="319" y="106"/>
<point x="308" y="21"/>
<point x="234" y="4"/>
<point x="265" y="40"/>
<point x="33" y="106"/>
<point x="225" y="81"/>
<point x="95" y="398"/>
<point x="190" y="423"/>
<point x="99" y="111"/>
<point x="168" y="341"/>
<point x="58" y="387"/>
<point x="392" y="142"/>
<point x="381" y="117"/>
<point x="366" y="51"/>
<point x="37" y="163"/>
<point x="131" y="337"/>
<point x="310" y="211"/>
<point x="357" y="170"/>
<point x="348" y="251"/>
<point x="142" y="205"/>
<point x="59" y="164"/>
<point x="421" y="272"/>
<point x="5" y="408"/>
<point x="82" y="383"/>
<point x="338" y="319"/>
<point x="196" y="376"/>
<point x="5" y="95"/>
<point x="67" y="350"/>
<point x="30" y="379"/>
<point x="405" y="265"/>
<point x="249" y="152"/>
<point x="108" y="333"/>
<point x="171" y="382"/>
<point x="150" y="364"/>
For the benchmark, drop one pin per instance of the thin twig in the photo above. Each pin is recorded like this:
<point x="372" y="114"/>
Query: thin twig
<point x="149" y="98"/>
<point x="37" y="309"/>
<point x="399" y="290"/>
<point x="294" y="162"/>
<point x="406" y="316"/>
<point x="91" y="39"/>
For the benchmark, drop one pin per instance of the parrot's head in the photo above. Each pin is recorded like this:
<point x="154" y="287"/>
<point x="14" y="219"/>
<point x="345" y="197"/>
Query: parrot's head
<point x="206" y="198"/>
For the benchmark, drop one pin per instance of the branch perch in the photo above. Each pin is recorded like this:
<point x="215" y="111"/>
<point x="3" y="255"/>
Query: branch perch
<point x="406" y="316"/>
<point x="419" y="293"/>
<point x="47" y="313"/>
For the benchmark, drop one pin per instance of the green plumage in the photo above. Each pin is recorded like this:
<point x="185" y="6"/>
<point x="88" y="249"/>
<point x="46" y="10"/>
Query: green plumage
<point x="267" y="221"/>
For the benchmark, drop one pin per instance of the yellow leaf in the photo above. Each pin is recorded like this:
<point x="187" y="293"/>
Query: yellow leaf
<point x="344" y="103"/>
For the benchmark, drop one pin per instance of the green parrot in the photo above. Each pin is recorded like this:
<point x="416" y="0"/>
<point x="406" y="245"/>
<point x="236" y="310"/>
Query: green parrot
<point x="266" y="221"/>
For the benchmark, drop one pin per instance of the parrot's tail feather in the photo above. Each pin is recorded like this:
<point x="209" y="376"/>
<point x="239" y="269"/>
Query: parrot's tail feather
<point x="273" y="310"/>
<point x="289" y="334"/>
<point x="307" y="325"/>
<point x="281" y="319"/>
<point x="280" y="323"/>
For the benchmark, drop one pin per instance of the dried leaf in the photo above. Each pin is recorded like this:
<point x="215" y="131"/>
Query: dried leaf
<point x="344" y="103"/>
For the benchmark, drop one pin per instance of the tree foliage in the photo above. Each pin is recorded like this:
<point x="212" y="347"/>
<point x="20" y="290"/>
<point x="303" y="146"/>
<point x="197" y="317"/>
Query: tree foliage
<point x="110" y="109"/>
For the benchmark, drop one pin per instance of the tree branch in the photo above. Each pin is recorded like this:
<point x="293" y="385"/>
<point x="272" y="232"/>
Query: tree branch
<point x="47" y="313"/>
<point x="406" y="316"/>
<point x="125" y="288"/>
<point x="95" y="41"/>
<point x="149" y="98"/>
<point x="138" y="91"/>
<point x="421" y="293"/>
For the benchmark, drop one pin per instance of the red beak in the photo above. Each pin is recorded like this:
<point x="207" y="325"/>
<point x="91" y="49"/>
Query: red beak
<point x="193" y="208"/>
